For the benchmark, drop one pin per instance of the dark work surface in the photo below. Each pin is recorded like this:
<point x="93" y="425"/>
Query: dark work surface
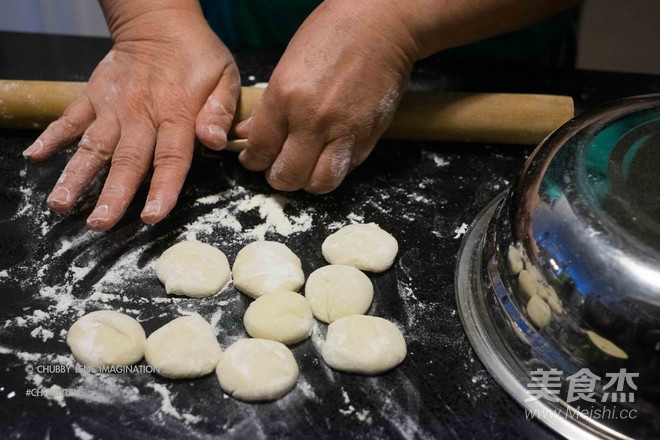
<point x="52" y="270"/>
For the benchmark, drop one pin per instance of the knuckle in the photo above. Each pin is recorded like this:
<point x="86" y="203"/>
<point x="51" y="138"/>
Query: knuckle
<point x="176" y="117"/>
<point x="129" y="161"/>
<point x="115" y="191"/>
<point x="94" y="148"/>
<point x="65" y="124"/>
<point x="172" y="158"/>
<point x="261" y="149"/>
<point x="323" y="184"/>
<point x="284" y="178"/>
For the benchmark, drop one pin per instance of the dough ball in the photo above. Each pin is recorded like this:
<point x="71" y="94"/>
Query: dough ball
<point x="257" y="369"/>
<point x="183" y="348"/>
<point x="606" y="346"/>
<point x="543" y="292"/>
<point x="266" y="266"/>
<point x="366" y="247"/>
<point x="539" y="311"/>
<point x="528" y="284"/>
<point x="515" y="260"/>
<point x="193" y="269"/>
<point x="281" y="316"/>
<point x="363" y="344"/>
<point x="336" y="291"/>
<point x="106" y="338"/>
<point x="555" y="305"/>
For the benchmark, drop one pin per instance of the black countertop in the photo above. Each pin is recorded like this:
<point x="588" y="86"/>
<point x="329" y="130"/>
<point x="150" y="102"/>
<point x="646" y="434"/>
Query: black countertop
<point x="52" y="270"/>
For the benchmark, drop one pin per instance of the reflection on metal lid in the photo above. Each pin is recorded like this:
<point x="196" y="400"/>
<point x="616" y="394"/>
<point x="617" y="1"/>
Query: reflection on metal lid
<point x="562" y="273"/>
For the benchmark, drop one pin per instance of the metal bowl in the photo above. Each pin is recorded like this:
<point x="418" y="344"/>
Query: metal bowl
<point x="558" y="279"/>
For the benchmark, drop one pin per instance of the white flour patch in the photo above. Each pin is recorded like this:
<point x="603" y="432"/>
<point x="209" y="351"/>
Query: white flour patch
<point x="81" y="433"/>
<point x="355" y="218"/>
<point x="460" y="231"/>
<point x="437" y="160"/>
<point x="237" y="201"/>
<point x="167" y="407"/>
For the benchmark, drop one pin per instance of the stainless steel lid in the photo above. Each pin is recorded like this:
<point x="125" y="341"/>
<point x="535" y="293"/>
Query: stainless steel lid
<point x="558" y="279"/>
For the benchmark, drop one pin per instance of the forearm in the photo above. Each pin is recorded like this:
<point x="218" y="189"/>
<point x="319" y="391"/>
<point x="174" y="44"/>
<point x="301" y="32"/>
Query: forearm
<point x="437" y="25"/>
<point x="419" y="28"/>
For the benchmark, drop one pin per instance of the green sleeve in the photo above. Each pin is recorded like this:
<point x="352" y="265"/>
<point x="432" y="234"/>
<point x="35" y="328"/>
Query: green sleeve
<point x="270" y="24"/>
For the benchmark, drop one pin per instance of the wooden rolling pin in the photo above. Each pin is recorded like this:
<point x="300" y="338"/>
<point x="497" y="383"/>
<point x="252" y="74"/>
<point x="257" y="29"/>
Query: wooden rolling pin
<point x="432" y="116"/>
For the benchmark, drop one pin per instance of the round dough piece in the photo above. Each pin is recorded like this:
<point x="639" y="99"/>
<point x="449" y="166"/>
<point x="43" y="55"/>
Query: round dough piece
<point x="257" y="369"/>
<point x="106" y="338"/>
<point x="528" y="284"/>
<point x="365" y="246"/>
<point x="280" y="316"/>
<point x="183" y="348"/>
<point x="539" y="311"/>
<point x="515" y="260"/>
<point x="363" y="344"/>
<point x="337" y="290"/>
<point x="194" y="269"/>
<point x="264" y="267"/>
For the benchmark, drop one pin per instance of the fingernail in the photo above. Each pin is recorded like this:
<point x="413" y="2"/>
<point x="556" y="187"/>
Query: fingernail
<point x="99" y="214"/>
<point x="152" y="208"/>
<point x="36" y="146"/>
<point x="217" y="132"/>
<point x="59" y="196"/>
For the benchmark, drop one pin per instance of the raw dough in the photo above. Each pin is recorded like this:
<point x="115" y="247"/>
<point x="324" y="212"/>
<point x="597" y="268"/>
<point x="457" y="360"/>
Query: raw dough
<point x="363" y="344"/>
<point x="106" y="338"/>
<point x="266" y="266"/>
<point x="336" y="291"/>
<point x="281" y="316"/>
<point x="539" y="312"/>
<point x="193" y="269"/>
<point x="365" y="246"/>
<point x="183" y="348"/>
<point x="555" y="305"/>
<point x="543" y="291"/>
<point x="515" y="260"/>
<point x="257" y="369"/>
<point x="528" y="284"/>
<point x="606" y="346"/>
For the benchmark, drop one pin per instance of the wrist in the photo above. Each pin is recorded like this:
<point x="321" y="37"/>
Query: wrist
<point x="372" y="25"/>
<point x="146" y="19"/>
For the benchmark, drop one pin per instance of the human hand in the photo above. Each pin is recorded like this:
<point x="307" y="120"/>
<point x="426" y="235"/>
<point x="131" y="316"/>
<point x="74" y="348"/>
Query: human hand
<point x="331" y="96"/>
<point x="167" y="78"/>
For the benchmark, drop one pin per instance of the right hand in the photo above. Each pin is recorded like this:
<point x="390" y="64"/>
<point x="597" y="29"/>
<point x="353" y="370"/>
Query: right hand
<point x="167" y="78"/>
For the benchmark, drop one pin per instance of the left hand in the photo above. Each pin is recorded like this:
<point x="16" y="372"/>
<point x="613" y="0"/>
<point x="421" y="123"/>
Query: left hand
<point x="331" y="96"/>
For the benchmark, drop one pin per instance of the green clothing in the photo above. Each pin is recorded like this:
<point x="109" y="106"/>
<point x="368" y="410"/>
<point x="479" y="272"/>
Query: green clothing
<point x="257" y="24"/>
<point x="270" y="24"/>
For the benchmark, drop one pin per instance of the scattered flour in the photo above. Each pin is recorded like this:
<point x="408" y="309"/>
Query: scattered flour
<point x="460" y="231"/>
<point x="79" y="273"/>
<point x="437" y="160"/>
<point x="237" y="201"/>
<point x="166" y="406"/>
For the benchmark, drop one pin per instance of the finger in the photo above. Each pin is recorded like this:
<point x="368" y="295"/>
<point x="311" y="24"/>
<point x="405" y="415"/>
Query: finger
<point x="129" y="166"/>
<point x="69" y="127"/>
<point x="242" y="129"/>
<point x="267" y="133"/>
<point x="174" y="150"/>
<point x="332" y="166"/>
<point x="94" y="152"/>
<point x="362" y="150"/>
<point x="295" y="164"/>
<point x="215" y="118"/>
